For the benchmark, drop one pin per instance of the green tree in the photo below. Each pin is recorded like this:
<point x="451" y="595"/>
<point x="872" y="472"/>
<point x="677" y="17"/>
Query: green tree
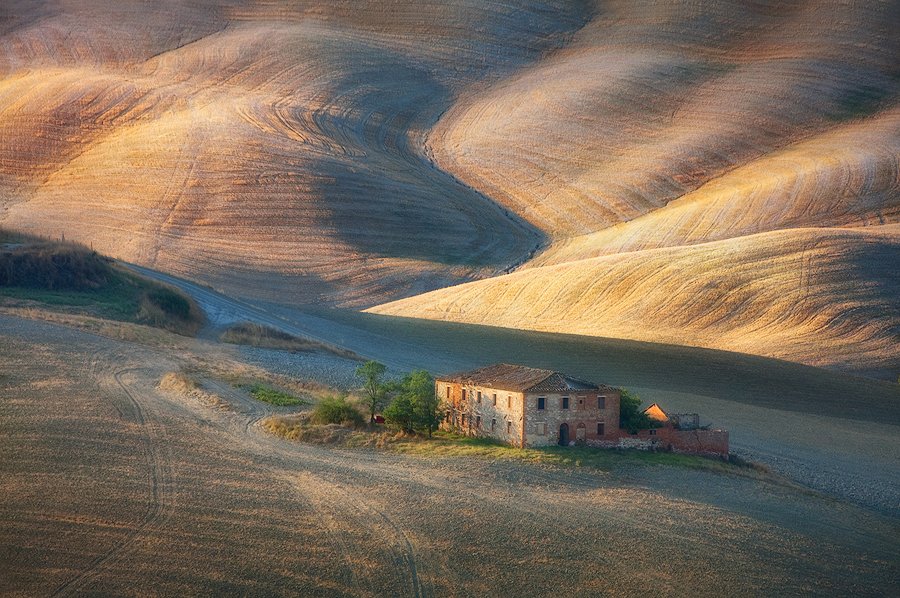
<point x="427" y="407"/>
<point x="401" y="413"/>
<point x="415" y="408"/>
<point x="375" y="392"/>
<point x="631" y="417"/>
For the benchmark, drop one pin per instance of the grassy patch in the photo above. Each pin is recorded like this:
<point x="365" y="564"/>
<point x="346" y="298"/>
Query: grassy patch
<point x="265" y="337"/>
<point x="69" y="278"/>
<point x="447" y="444"/>
<point x="302" y="427"/>
<point x="273" y="396"/>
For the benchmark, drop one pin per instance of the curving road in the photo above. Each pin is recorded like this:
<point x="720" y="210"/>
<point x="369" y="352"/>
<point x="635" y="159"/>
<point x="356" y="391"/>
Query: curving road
<point x="222" y="310"/>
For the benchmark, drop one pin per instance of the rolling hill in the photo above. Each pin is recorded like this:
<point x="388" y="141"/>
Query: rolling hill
<point x="717" y="174"/>
<point x="260" y="148"/>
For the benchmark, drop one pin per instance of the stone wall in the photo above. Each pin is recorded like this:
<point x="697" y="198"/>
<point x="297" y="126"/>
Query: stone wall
<point x="707" y="443"/>
<point x="497" y="414"/>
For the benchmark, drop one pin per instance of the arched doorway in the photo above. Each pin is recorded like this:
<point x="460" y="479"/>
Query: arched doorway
<point x="564" y="435"/>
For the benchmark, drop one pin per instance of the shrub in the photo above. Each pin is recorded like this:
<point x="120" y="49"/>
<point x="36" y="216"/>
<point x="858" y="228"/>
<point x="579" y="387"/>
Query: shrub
<point x="170" y="302"/>
<point x="57" y="266"/>
<point x="337" y="410"/>
<point x="631" y="417"/>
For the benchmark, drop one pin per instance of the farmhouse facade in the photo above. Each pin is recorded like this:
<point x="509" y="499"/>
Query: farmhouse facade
<point x="529" y="407"/>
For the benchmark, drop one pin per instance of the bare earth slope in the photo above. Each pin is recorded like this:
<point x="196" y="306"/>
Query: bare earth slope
<point x="825" y="297"/>
<point x="673" y="124"/>
<point x="654" y="98"/>
<point x="356" y="153"/>
<point x="261" y="148"/>
<point x="117" y="487"/>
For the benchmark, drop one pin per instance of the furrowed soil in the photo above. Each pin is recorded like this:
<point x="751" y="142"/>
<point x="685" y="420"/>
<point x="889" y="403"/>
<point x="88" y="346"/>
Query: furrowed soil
<point x="111" y="485"/>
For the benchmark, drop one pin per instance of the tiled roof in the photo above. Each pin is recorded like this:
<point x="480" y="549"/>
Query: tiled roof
<point x="657" y="413"/>
<point x="520" y="378"/>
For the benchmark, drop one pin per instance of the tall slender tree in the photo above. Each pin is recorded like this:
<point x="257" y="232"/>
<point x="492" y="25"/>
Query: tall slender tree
<point x="374" y="389"/>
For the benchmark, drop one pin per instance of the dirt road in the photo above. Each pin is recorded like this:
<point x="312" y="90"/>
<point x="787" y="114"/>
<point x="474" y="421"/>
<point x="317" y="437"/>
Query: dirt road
<point x="112" y="486"/>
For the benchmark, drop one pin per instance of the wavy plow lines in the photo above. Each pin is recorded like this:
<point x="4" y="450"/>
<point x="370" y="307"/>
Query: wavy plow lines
<point x="160" y="500"/>
<point x="310" y="180"/>
<point x="652" y="100"/>
<point x="747" y="294"/>
<point x="849" y="176"/>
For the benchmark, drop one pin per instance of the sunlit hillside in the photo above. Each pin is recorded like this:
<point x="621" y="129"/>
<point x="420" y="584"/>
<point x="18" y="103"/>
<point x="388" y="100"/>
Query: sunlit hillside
<point x="652" y="99"/>
<point x="664" y="126"/>
<point x="257" y="147"/>
<point x="819" y="296"/>
<point x="722" y="174"/>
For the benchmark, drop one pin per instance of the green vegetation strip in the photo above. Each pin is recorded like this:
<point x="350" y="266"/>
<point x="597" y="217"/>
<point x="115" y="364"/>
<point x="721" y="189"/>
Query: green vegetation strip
<point x="70" y="278"/>
<point x="274" y="396"/>
<point x="447" y="444"/>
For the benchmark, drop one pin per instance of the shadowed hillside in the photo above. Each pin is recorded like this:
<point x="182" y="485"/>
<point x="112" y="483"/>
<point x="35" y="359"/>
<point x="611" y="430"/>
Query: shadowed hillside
<point x="824" y="297"/>
<point x="652" y="99"/>
<point x="673" y="124"/>
<point x="360" y="153"/>
<point x="260" y="148"/>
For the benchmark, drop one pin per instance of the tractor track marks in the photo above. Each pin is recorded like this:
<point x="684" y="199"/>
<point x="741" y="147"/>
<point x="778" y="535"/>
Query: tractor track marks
<point x="160" y="501"/>
<point x="337" y="504"/>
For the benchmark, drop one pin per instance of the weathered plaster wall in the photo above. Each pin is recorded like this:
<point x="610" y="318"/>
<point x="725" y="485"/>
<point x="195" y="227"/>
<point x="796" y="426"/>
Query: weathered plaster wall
<point x="502" y="419"/>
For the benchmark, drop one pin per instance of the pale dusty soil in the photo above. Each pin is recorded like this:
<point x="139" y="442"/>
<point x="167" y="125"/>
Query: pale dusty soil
<point x="850" y="460"/>
<point x="116" y="487"/>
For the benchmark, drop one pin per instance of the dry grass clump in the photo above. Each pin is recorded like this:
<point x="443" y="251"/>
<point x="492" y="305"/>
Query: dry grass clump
<point x="300" y="427"/>
<point x="183" y="384"/>
<point x="266" y="337"/>
<point x="168" y="308"/>
<point x="179" y="382"/>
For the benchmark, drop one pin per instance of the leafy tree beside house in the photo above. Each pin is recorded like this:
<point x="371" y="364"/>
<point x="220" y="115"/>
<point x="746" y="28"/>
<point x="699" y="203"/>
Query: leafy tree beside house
<point x="415" y="408"/>
<point x="631" y="417"/>
<point x="375" y="392"/>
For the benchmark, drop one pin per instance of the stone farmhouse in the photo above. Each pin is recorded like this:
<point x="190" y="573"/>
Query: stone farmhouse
<point x="526" y="406"/>
<point x="531" y="407"/>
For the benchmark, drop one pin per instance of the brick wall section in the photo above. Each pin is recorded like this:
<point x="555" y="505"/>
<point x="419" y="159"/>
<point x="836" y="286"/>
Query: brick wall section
<point x="515" y="419"/>
<point x="708" y="443"/>
<point x="542" y="427"/>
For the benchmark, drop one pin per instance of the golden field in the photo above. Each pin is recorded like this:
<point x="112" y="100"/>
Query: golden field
<point x="626" y="159"/>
